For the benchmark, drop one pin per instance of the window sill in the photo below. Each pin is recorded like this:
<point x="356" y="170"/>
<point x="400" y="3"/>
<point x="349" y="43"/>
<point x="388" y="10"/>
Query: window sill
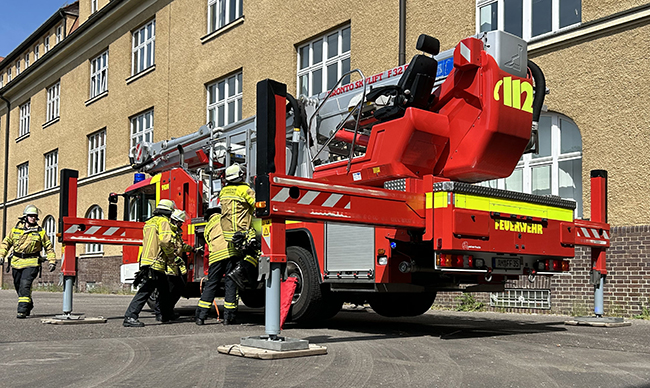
<point x="205" y="39"/>
<point x="141" y="74"/>
<point x="52" y="122"/>
<point x="23" y="137"/>
<point x="97" y="97"/>
<point x="91" y="255"/>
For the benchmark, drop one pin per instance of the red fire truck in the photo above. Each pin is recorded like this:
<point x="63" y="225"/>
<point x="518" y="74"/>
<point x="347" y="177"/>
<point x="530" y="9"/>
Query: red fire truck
<point x="368" y="192"/>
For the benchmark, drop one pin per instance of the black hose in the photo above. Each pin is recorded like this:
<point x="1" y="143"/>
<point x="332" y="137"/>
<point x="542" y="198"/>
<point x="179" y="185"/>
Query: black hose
<point x="540" y="89"/>
<point x="297" y="123"/>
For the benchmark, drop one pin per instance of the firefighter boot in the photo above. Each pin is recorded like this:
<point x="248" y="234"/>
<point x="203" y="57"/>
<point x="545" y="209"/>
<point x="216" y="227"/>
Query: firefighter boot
<point x="132" y="322"/>
<point x="230" y="317"/>
<point x="21" y="315"/>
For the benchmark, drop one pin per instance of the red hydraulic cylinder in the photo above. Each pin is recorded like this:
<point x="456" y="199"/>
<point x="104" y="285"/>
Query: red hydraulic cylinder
<point x="599" y="214"/>
<point x="68" y="208"/>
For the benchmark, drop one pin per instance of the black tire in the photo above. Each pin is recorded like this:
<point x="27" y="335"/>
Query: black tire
<point x="402" y="305"/>
<point x="253" y="298"/>
<point x="312" y="301"/>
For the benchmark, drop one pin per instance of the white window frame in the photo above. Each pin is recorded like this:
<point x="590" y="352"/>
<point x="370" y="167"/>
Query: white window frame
<point x="46" y="43"/>
<point x="2" y="80"/>
<point x="93" y="6"/>
<point x="224" y="99"/>
<point x="99" y="74"/>
<point x="529" y="162"/>
<point x="25" y="113"/>
<point x="23" y="180"/>
<point x="53" y="101"/>
<point x="223" y="12"/>
<point x="36" y="54"/>
<point x="143" y="48"/>
<point x="527" y="19"/>
<point x="97" y="153"/>
<point x="26" y="60"/>
<point x="9" y="75"/>
<point x="59" y="34"/>
<point x="95" y="212"/>
<point x="341" y="60"/>
<point x="49" y="225"/>
<point x="51" y="169"/>
<point x="142" y="128"/>
<point x="17" y="68"/>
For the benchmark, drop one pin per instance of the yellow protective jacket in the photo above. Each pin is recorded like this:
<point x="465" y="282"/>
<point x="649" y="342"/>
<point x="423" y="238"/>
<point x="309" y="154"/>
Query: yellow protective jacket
<point x="237" y="206"/>
<point x="177" y="267"/>
<point x="27" y="244"/>
<point x="218" y="247"/>
<point x="157" y="243"/>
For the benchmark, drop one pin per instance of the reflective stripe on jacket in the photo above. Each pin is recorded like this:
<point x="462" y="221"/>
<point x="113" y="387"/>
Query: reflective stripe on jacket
<point x="219" y="248"/>
<point x="29" y="242"/>
<point x="177" y="267"/>
<point x="237" y="205"/>
<point x="157" y="244"/>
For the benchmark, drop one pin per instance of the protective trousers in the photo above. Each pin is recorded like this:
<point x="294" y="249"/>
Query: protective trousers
<point x="23" y="279"/>
<point x="158" y="280"/>
<point x="231" y="300"/>
<point x="176" y="287"/>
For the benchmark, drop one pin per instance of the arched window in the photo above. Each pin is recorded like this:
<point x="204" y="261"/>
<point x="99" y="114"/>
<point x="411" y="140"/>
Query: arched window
<point x="557" y="169"/>
<point x="49" y="225"/>
<point x="94" y="212"/>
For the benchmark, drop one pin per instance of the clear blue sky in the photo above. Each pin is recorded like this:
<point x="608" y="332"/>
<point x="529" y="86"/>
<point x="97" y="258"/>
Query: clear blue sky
<point x="19" y="18"/>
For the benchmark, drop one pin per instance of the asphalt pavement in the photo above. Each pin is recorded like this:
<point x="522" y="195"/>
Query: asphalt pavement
<point x="437" y="349"/>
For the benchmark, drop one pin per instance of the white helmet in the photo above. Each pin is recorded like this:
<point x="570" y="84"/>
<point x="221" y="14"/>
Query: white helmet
<point x="178" y="215"/>
<point x="166" y="204"/>
<point x="30" y="210"/>
<point x="235" y="173"/>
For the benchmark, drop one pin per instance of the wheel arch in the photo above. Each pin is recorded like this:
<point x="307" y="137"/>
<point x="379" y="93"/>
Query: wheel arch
<point x="302" y="237"/>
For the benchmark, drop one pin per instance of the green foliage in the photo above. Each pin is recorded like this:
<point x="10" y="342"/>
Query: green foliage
<point x="49" y="287"/>
<point x="580" y="309"/>
<point x="645" y="313"/>
<point x="467" y="302"/>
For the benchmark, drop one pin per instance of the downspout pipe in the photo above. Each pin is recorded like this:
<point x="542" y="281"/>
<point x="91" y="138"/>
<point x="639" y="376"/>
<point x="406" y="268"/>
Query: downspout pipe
<point x="6" y="178"/>
<point x="402" y="32"/>
<point x="65" y="27"/>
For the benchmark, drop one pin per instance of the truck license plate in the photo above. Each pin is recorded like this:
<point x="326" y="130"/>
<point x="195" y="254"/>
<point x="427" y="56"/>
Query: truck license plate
<point x="507" y="263"/>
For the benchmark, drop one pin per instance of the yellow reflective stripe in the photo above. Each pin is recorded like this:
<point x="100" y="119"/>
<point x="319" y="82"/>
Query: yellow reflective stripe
<point x="429" y="200"/>
<point x="439" y="199"/>
<point x="19" y="263"/>
<point x="499" y="205"/>
<point x="204" y="304"/>
<point x="251" y="260"/>
<point x="24" y="299"/>
<point x="229" y="306"/>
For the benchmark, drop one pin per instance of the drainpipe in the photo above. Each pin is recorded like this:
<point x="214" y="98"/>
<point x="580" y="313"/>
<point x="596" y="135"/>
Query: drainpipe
<point x="402" y="32"/>
<point x="6" y="176"/>
<point x="65" y="27"/>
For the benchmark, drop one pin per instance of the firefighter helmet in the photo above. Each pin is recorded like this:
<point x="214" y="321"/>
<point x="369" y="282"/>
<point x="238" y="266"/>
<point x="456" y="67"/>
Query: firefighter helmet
<point x="30" y="210"/>
<point x="178" y="215"/>
<point x="235" y="173"/>
<point x="166" y="204"/>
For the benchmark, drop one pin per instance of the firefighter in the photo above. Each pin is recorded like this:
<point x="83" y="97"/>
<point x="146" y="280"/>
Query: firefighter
<point x="27" y="239"/>
<point x="238" y="203"/>
<point x="222" y="258"/>
<point x="157" y="252"/>
<point x="177" y="269"/>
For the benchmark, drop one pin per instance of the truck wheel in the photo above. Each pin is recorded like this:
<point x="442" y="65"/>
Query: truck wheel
<point x="402" y="305"/>
<point x="311" y="300"/>
<point x="253" y="298"/>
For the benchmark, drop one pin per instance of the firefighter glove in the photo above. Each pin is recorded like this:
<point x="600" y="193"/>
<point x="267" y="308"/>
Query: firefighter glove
<point x="52" y="267"/>
<point x="239" y="241"/>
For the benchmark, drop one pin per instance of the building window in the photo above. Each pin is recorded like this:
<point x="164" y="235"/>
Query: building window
<point x="142" y="128"/>
<point x="557" y="169"/>
<point x="53" y="99"/>
<point x="225" y="100"/>
<point x="23" y="180"/>
<point x="96" y="213"/>
<point x="93" y="6"/>
<point x="323" y="61"/>
<point x="144" y="46"/>
<point x="26" y="60"/>
<point x="2" y="80"/>
<point x="527" y="18"/>
<point x="23" y="128"/>
<point x="17" y="68"/>
<point x="8" y="75"/>
<point x="222" y="12"/>
<point x="51" y="168"/>
<point x="59" y="34"/>
<point x="47" y="43"/>
<point x="49" y="224"/>
<point x="36" y="48"/>
<point x="99" y="74"/>
<point x="96" y="153"/>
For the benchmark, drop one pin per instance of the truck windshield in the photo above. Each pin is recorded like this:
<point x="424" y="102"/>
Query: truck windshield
<point x="141" y="203"/>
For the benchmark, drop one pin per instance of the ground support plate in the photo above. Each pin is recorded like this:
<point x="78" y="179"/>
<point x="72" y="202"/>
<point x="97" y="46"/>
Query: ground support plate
<point x="266" y="354"/>
<point x="598" y="322"/>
